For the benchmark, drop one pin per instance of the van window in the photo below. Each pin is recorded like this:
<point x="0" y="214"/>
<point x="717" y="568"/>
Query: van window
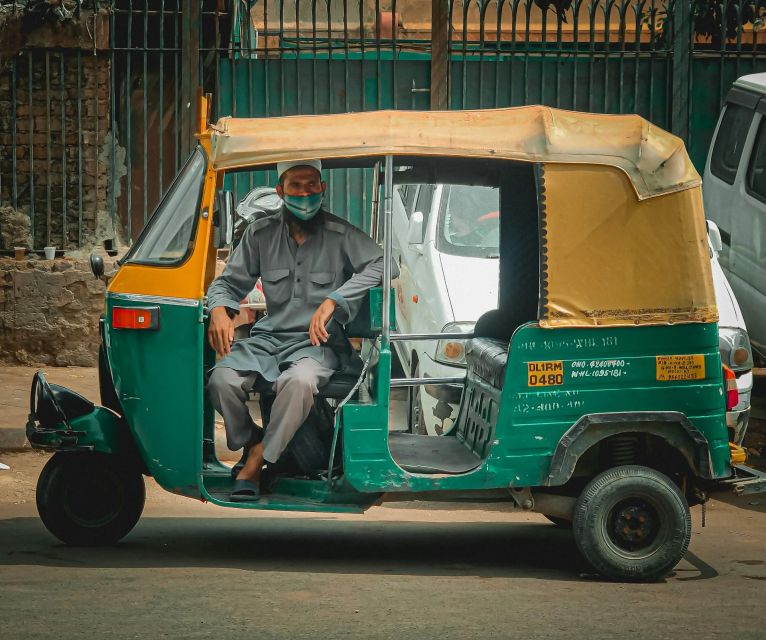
<point x="727" y="149"/>
<point x="407" y="193"/>
<point x="166" y="238"/>
<point x="756" y="171"/>
<point x="469" y="221"/>
<point x="425" y="198"/>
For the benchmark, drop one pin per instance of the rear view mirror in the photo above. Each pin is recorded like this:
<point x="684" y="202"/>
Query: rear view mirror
<point x="714" y="235"/>
<point x="415" y="230"/>
<point x="223" y="218"/>
<point x="97" y="265"/>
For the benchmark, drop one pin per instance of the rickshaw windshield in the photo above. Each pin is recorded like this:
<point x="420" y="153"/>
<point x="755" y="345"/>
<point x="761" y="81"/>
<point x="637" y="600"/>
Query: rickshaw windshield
<point x="166" y="238"/>
<point x="469" y="221"/>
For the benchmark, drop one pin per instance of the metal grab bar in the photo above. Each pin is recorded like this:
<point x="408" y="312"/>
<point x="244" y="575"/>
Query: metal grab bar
<point x="394" y="337"/>
<point x="414" y="382"/>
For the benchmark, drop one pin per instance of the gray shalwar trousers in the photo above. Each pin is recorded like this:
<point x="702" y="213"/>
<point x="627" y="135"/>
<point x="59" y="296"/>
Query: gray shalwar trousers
<point x="295" y="389"/>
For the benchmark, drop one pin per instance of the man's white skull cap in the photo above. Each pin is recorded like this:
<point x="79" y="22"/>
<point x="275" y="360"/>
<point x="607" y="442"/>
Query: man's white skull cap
<point x="284" y="166"/>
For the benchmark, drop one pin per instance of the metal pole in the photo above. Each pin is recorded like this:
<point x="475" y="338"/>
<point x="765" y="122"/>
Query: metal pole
<point x="30" y="91"/>
<point x="440" y="65"/>
<point x="388" y="200"/>
<point x="14" y="172"/>
<point x="681" y="69"/>
<point x="62" y="98"/>
<point x="375" y="224"/>
<point x="416" y="382"/>
<point x="49" y="151"/>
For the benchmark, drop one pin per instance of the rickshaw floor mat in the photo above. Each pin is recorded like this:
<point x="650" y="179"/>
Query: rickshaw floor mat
<point x="432" y="454"/>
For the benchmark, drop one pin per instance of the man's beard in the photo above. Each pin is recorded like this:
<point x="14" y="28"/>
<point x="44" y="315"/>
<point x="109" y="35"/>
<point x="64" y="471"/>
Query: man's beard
<point x="309" y="226"/>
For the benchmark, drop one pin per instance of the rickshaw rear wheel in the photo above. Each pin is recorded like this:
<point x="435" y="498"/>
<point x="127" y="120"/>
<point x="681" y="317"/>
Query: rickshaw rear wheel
<point x="89" y="499"/>
<point x="632" y="524"/>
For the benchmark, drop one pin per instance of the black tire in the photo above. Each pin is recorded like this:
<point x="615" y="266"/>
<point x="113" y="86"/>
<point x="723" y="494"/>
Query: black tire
<point x="89" y="499"/>
<point x="632" y="524"/>
<point x="415" y="406"/>
<point x="561" y="523"/>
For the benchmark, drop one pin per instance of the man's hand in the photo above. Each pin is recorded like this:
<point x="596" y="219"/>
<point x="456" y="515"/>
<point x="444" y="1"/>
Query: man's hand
<point x="317" y="332"/>
<point x="221" y="331"/>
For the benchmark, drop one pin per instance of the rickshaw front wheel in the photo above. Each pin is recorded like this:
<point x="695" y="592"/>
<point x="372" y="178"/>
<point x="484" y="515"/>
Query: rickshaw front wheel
<point x="89" y="499"/>
<point x="632" y="524"/>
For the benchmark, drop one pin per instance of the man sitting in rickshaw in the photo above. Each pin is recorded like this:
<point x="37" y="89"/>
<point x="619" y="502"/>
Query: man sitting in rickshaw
<point x="315" y="269"/>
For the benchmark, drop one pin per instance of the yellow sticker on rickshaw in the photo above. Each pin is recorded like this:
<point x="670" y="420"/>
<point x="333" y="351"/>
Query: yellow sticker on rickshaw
<point x="686" y="367"/>
<point x="545" y="374"/>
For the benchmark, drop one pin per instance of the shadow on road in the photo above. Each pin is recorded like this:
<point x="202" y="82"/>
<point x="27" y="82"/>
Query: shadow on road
<point x="317" y="545"/>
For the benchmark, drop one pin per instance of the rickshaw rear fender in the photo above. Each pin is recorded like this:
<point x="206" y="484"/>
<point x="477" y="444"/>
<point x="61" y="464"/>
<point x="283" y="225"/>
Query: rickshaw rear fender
<point x="672" y="427"/>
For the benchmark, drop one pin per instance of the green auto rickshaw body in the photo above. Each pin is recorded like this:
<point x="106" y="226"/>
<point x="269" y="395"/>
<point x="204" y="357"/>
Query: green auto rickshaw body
<point x="569" y="386"/>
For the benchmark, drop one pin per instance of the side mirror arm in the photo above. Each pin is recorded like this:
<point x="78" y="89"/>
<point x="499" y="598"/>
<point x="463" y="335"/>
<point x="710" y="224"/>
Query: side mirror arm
<point x="223" y="218"/>
<point x="415" y="229"/>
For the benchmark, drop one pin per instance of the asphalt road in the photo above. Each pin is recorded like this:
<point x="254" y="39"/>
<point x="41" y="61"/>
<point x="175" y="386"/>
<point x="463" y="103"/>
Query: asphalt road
<point x="407" y="570"/>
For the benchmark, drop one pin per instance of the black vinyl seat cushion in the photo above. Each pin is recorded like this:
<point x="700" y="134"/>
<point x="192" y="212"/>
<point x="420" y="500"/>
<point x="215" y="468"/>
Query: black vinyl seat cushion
<point x="486" y="358"/>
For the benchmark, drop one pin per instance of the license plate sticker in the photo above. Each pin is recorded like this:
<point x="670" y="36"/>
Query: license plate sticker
<point x="686" y="367"/>
<point x="545" y="374"/>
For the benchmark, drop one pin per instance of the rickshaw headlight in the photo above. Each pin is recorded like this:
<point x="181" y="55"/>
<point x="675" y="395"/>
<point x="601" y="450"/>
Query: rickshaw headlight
<point x="452" y="351"/>
<point x="734" y="346"/>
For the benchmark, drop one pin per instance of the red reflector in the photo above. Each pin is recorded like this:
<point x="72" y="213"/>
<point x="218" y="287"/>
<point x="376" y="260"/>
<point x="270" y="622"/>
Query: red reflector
<point x="136" y="318"/>
<point x="730" y="385"/>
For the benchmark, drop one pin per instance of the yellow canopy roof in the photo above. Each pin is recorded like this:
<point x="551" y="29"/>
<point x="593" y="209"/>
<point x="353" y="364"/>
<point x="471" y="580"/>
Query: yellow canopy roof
<point x="655" y="161"/>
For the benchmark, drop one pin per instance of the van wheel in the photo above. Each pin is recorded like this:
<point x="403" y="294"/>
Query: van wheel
<point x="415" y="420"/>
<point x="89" y="499"/>
<point x="632" y="524"/>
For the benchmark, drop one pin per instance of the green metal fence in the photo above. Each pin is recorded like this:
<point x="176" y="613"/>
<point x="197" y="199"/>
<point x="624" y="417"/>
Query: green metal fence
<point x="90" y="139"/>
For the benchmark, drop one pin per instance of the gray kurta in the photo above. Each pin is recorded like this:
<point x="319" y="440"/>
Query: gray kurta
<point x="338" y="261"/>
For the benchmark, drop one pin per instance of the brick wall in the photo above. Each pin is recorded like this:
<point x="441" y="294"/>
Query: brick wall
<point x="61" y="122"/>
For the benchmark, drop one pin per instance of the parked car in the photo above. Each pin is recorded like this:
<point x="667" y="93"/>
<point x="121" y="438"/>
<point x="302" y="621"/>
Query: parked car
<point x="446" y="238"/>
<point x="733" y="340"/>
<point x="735" y="198"/>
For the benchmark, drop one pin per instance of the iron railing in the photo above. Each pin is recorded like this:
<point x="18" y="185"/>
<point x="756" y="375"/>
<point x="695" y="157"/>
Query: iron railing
<point x="91" y="135"/>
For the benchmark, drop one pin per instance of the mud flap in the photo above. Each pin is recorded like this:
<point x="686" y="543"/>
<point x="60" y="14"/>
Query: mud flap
<point x="63" y="420"/>
<point x="745" y="481"/>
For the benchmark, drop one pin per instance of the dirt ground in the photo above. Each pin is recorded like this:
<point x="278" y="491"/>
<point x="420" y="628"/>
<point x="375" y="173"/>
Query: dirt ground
<point x="402" y="570"/>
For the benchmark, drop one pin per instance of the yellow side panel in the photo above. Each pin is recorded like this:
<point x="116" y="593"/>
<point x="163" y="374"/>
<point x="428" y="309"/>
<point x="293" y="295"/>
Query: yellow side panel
<point x="184" y="281"/>
<point x="610" y="259"/>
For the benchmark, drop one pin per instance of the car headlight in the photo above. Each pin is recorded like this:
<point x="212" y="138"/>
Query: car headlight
<point x="734" y="346"/>
<point x="452" y="351"/>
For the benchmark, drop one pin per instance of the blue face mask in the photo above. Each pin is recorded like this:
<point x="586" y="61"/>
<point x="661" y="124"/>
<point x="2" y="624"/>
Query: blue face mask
<point x="304" y="207"/>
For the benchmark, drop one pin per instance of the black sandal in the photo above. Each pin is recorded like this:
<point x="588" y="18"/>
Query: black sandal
<point x="245" y="491"/>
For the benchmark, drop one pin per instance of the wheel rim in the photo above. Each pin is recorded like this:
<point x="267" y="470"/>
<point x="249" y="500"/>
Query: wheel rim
<point x="93" y="497"/>
<point x="634" y="527"/>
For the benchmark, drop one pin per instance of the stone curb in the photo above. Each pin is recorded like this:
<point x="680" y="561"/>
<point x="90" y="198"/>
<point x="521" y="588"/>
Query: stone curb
<point x="13" y="438"/>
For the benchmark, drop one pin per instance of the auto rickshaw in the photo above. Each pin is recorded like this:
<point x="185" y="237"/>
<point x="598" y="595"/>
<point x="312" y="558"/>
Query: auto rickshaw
<point x="594" y="393"/>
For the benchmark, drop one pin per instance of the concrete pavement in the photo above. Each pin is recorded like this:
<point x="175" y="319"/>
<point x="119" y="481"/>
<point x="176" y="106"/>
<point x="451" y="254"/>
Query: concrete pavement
<point x="402" y="570"/>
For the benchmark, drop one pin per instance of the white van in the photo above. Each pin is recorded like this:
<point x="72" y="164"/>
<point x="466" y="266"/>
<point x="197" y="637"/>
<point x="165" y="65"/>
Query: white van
<point x="734" y="190"/>
<point x="446" y="239"/>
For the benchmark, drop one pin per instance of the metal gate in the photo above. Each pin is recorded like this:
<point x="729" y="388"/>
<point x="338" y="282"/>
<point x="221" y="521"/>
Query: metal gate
<point x="74" y="154"/>
<point x="669" y="61"/>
